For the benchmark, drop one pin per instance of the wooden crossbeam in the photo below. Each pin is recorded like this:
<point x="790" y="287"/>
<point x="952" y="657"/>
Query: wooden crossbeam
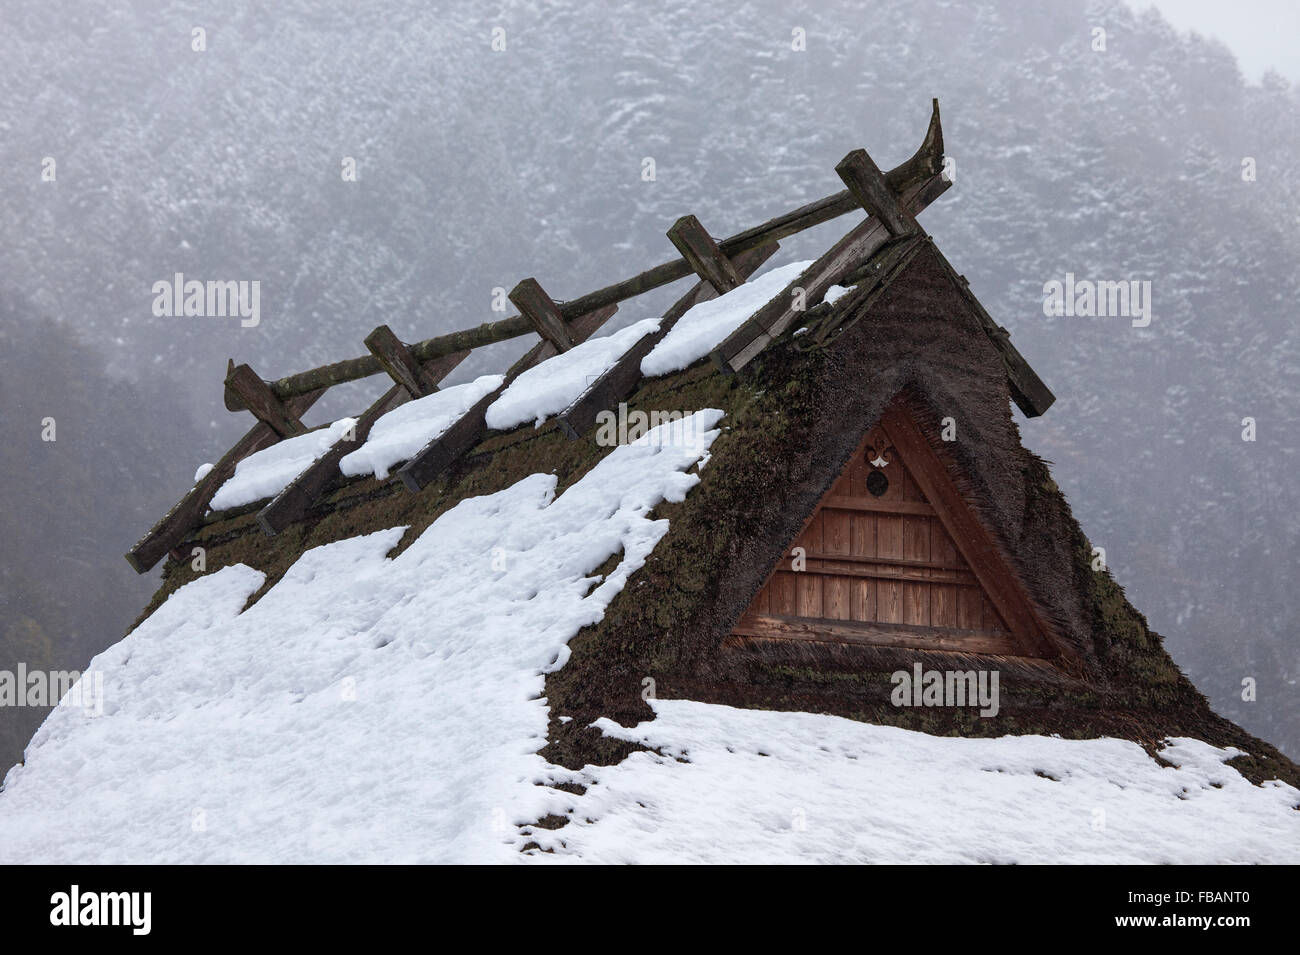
<point x="258" y="398"/>
<point x="181" y="519"/>
<point x="468" y="430"/>
<point x="920" y="177"/>
<point x="619" y="381"/>
<point x="770" y="321"/>
<point x="535" y="305"/>
<point x="400" y="364"/>
<point x="288" y="507"/>
<point x="867" y="183"/>
<point x="702" y="253"/>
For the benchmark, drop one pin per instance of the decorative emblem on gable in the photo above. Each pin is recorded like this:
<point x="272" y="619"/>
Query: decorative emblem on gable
<point x="879" y="450"/>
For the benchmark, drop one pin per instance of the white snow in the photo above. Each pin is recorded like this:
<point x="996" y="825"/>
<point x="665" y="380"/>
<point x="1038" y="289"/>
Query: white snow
<point x="267" y="472"/>
<point x="365" y="709"/>
<point x="552" y="386"/>
<point x="759" y="786"/>
<point x="399" y="435"/>
<point x="700" y="330"/>
<point x="203" y="471"/>
<point x="835" y="293"/>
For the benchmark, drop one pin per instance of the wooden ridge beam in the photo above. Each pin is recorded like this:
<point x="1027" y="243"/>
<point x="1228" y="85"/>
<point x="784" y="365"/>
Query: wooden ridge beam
<point x="919" y="177"/>
<point x="468" y="430"/>
<point x="289" y="506"/>
<point x="169" y="532"/>
<point x="258" y="398"/>
<point x="400" y="364"/>
<point x="770" y="321"/>
<point x="538" y="307"/>
<point x="619" y="381"/>
<point x="699" y="250"/>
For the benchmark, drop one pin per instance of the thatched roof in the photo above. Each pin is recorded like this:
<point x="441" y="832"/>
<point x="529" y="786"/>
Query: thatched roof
<point x="792" y="418"/>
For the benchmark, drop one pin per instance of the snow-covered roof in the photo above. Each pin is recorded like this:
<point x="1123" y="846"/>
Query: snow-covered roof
<point x="377" y="708"/>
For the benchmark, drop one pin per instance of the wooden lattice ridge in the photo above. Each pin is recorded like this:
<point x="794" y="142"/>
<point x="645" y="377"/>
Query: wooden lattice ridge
<point x="876" y="249"/>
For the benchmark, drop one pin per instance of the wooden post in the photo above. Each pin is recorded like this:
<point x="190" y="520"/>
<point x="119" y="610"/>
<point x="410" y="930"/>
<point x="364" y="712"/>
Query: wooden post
<point x="535" y="305"/>
<point x="262" y="402"/>
<point x="397" y="360"/>
<point x="468" y="430"/>
<point x="618" y="382"/>
<point x="181" y="519"/>
<point x="702" y="253"/>
<point x="867" y="183"/>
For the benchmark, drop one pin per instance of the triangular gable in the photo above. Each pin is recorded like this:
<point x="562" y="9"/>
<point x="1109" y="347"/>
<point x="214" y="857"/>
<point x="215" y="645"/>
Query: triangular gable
<point x="894" y="556"/>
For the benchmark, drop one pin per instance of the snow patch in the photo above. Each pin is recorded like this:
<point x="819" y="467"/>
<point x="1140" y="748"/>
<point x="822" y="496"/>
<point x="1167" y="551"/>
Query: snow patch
<point x="400" y="434"/>
<point x="366" y="708"/>
<point x="770" y="787"/>
<point x="267" y="472"/>
<point x="552" y="386"/>
<point x="700" y="330"/>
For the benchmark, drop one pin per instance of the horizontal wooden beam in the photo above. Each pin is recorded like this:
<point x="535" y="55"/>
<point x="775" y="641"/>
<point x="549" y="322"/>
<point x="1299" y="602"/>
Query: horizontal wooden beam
<point x="953" y="640"/>
<point x="923" y="169"/>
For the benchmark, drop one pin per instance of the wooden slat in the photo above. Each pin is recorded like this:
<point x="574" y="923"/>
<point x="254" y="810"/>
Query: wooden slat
<point x="181" y="519"/>
<point x="400" y="364"/>
<point x="702" y="253"/>
<point x="535" y="305"/>
<point x="886" y="570"/>
<point x="882" y="505"/>
<point x="258" y="398"/>
<point x="621" y="379"/>
<point x="826" y="630"/>
<point x="469" y="429"/>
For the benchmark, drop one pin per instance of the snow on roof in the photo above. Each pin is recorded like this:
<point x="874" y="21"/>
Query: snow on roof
<point x="268" y="472"/>
<point x="400" y="434"/>
<point x="551" y="386"/>
<point x="758" y="786"/>
<point x="365" y="708"/>
<point x="702" y="328"/>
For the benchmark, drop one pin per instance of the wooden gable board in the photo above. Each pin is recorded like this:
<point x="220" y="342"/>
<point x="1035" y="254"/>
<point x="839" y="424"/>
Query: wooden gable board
<point x="893" y="556"/>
